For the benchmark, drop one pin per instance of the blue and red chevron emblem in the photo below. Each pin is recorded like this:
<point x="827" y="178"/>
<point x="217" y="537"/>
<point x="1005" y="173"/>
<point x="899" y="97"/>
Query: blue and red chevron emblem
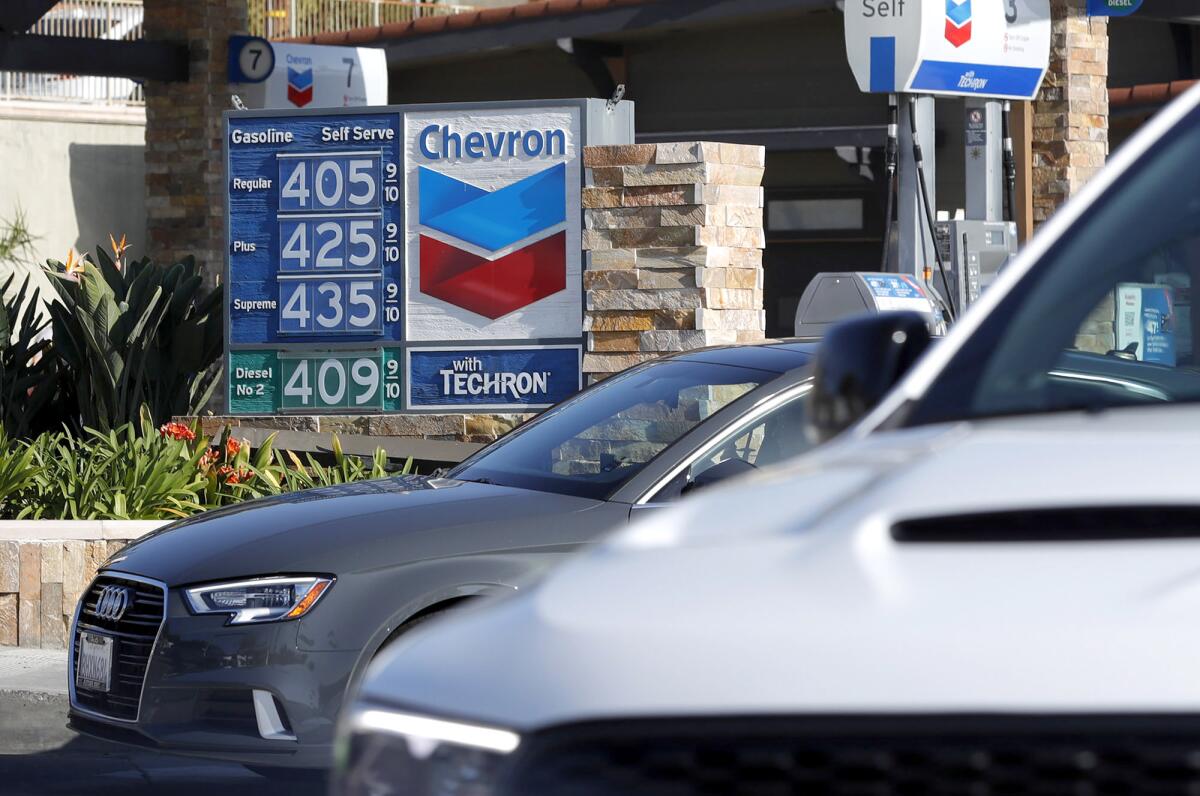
<point x="300" y="86"/>
<point x="958" y="22"/>
<point x="493" y="221"/>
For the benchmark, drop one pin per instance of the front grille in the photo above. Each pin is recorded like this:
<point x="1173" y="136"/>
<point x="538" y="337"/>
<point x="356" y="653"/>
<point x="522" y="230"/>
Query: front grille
<point x="881" y="757"/>
<point x="133" y="641"/>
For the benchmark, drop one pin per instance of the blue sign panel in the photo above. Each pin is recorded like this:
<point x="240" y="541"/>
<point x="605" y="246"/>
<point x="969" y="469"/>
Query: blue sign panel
<point x="987" y="80"/>
<point x="889" y="286"/>
<point x="492" y="377"/>
<point x="1158" y="325"/>
<point x="314" y="229"/>
<point x="1112" y="8"/>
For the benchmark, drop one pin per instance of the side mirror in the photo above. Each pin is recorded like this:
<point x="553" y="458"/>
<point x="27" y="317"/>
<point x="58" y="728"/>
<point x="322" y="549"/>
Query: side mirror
<point x="859" y="361"/>
<point x="722" y="471"/>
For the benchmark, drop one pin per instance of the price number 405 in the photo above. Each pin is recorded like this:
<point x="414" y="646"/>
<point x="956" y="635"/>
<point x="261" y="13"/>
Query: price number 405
<point x="331" y="183"/>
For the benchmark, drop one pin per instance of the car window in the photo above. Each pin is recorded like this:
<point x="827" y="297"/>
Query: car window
<point x="592" y="444"/>
<point x="759" y="441"/>
<point x="636" y="435"/>
<point x="1105" y="318"/>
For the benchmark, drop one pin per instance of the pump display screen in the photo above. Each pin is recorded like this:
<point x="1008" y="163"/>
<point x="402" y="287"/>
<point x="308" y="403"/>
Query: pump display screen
<point x="360" y="238"/>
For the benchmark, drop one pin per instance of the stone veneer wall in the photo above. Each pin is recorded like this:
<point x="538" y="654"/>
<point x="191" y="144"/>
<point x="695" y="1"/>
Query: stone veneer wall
<point x="673" y="235"/>
<point x="1070" y="132"/>
<point x="40" y="582"/>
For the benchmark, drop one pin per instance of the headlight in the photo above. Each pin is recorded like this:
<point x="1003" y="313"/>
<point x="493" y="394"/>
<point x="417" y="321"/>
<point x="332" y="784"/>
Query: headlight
<point x="259" y="599"/>
<point x="382" y="752"/>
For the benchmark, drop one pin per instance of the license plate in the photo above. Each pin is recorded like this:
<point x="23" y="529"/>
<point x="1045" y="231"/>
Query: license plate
<point x="94" y="671"/>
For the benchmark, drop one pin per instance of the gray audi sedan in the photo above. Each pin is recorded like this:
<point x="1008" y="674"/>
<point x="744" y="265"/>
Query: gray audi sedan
<point x="236" y="634"/>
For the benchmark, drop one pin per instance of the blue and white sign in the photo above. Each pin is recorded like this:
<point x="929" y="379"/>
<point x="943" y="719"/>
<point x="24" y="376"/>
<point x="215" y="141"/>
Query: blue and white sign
<point x="1112" y="8"/>
<point x="986" y="48"/>
<point x="1147" y="319"/>
<point x="448" y="232"/>
<point x="893" y="286"/>
<point x="492" y="378"/>
<point x="285" y="75"/>
<point x="314" y="228"/>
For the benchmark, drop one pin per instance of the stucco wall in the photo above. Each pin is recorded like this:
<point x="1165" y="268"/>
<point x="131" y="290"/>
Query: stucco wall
<point x="77" y="173"/>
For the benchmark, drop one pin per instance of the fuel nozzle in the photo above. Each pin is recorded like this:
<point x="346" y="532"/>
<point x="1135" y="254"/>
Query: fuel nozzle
<point x="892" y="149"/>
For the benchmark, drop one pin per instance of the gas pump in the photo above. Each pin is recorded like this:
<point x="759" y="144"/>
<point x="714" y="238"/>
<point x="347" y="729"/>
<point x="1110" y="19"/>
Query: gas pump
<point x="987" y="51"/>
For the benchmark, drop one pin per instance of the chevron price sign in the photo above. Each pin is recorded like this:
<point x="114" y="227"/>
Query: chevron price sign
<point x="407" y="258"/>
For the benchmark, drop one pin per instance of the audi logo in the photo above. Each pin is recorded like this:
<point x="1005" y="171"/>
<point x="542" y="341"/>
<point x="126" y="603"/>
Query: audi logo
<point x="113" y="602"/>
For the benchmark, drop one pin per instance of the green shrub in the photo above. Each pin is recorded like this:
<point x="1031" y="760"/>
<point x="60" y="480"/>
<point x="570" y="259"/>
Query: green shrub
<point x="18" y="470"/>
<point x="118" y="474"/>
<point x="28" y="372"/>
<point x="135" y="333"/>
<point x="136" y="471"/>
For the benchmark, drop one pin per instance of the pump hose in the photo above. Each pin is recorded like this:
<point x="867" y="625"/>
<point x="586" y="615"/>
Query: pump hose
<point x="920" y="162"/>
<point x="891" y="156"/>
<point x="1010" y="164"/>
<point x="887" y="228"/>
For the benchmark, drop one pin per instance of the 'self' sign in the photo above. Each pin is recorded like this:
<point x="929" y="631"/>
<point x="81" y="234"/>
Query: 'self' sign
<point x="983" y="48"/>
<point x="423" y="258"/>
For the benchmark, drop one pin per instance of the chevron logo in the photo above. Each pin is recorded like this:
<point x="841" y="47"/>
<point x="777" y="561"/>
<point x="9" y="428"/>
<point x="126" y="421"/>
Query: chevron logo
<point x="479" y="269"/>
<point x="958" y="22"/>
<point x="299" y="86"/>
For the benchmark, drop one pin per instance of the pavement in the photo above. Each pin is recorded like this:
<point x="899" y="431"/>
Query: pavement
<point x="39" y="756"/>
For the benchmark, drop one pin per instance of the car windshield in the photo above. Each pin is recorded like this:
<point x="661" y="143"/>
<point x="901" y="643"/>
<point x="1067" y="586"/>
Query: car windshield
<point x="1105" y="318"/>
<point x="592" y="444"/>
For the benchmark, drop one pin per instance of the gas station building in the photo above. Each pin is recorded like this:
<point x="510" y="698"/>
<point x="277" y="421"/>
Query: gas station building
<point x="775" y="73"/>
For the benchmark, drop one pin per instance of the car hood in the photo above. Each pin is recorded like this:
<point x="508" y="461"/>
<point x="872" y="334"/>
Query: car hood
<point x="338" y="529"/>
<point x="789" y="593"/>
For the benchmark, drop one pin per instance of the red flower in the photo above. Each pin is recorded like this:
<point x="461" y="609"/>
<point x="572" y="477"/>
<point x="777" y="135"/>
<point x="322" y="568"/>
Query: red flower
<point x="232" y="446"/>
<point x="177" y="431"/>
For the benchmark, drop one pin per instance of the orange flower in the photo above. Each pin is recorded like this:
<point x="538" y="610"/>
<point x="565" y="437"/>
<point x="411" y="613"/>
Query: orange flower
<point x="232" y="446"/>
<point x="177" y="431"/>
<point x="118" y="249"/>
<point x="209" y="458"/>
<point x="73" y="268"/>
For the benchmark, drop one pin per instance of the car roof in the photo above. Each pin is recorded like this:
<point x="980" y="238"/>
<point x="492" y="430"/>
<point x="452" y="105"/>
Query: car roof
<point x="776" y="356"/>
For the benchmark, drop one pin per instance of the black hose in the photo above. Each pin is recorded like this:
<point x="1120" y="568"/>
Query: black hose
<point x="891" y="157"/>
<point x="1010" y="165"/>
<point x="920" y="162"/>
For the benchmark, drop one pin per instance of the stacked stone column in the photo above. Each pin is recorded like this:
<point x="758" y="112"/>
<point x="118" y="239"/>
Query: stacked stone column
<point x="673" y="235"/>
<point x="1070" y="115"/>
<point x="1070" y="132"/>
<point x="185" y="186"/>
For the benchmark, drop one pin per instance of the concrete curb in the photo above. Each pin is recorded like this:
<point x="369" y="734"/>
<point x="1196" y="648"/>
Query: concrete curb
<point x="68" y="530"/>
